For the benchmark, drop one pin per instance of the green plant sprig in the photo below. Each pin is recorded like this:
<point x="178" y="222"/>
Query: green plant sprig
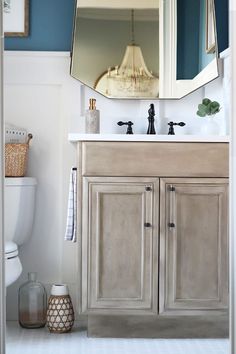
<point x="208" y="108"/>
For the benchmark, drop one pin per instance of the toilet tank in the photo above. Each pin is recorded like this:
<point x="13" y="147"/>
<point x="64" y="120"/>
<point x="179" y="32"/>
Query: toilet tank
<point x="19" y="202"/>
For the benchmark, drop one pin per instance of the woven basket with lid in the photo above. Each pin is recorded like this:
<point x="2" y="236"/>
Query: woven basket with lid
<point x="16" y="158"/>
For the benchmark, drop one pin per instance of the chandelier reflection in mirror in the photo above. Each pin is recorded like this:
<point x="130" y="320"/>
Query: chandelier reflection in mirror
<point x="132" y="78"/>
<point x="158" y="63"/>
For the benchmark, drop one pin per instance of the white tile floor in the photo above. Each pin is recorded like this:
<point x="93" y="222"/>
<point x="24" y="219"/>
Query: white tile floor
<point x="40" y="341"/>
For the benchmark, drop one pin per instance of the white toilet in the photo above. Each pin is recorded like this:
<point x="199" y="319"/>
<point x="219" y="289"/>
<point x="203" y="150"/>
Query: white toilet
<point x="19" y="215"/>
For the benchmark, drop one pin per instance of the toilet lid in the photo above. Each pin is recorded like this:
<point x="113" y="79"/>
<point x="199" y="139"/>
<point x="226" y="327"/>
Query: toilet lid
<point x="11" y="249"/>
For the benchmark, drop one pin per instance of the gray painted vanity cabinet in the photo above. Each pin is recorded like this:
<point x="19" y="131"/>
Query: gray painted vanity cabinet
<point x="154" y="238"/>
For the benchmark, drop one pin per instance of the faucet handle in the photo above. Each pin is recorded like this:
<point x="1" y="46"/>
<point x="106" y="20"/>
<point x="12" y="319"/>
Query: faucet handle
<point x="129" y="126"/>
<point x="171" y="128"/>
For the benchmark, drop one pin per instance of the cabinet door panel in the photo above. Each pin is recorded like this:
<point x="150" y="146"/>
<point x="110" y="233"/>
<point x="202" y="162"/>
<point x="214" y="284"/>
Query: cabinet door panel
<point x="194" y="243"/>
<point x="122" y="252"/>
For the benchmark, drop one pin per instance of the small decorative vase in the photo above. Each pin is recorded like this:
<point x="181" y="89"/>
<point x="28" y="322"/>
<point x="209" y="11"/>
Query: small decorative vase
<point x="210" y="126"/>
<point x="60" y="313"/>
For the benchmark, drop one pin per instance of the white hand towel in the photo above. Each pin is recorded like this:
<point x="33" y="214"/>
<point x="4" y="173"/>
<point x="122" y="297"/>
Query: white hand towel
<point x="71" y="224"/>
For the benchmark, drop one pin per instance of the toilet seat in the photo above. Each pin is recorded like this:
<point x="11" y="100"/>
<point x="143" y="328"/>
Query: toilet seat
<point x="13" y="266"/>
<point x="11" y="250"/>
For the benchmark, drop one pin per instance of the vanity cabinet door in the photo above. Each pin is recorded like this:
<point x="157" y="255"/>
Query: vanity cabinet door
<point x="120" y="251"/>
<point x="193" y="246"/>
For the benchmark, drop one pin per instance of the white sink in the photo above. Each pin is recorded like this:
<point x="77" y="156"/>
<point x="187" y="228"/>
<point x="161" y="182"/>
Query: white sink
<point x="75" y="137"/>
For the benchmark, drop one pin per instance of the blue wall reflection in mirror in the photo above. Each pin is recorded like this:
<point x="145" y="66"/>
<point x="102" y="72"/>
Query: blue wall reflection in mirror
<point x="192" y="56"/>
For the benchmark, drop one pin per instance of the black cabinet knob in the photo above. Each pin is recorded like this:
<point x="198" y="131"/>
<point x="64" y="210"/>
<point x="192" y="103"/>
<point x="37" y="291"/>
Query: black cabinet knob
<point x="171" y="189"/>
<point x="148" y="189"/>
<point x="147" y="224"/>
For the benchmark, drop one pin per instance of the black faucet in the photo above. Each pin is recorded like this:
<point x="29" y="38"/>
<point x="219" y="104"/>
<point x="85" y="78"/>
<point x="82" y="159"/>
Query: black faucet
<point x="151" y="115"/>
<point x="171" y="128"/>
<point x="129" y="126"/>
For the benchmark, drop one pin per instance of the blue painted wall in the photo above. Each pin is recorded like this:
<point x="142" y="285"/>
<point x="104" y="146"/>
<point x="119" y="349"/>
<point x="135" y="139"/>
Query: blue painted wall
<point x="222" y="23"/>
<point x="204" y="57"/>
<point x="51" y="27"/>
<point x="188" y="14"/>
<point x="191" y="54"/>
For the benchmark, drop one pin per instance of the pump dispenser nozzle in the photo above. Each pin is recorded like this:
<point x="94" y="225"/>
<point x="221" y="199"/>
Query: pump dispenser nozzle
<point x="92" y="104"/>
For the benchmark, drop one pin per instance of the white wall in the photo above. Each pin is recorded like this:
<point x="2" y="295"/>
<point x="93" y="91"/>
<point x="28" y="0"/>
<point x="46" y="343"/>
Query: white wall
<point x="41" y="96"/>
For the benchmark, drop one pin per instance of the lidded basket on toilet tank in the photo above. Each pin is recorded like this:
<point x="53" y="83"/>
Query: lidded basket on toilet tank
<point x="16" y="158"/>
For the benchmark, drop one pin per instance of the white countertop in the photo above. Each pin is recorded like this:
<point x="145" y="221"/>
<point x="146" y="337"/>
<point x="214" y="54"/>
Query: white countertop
<point x="74" y="137"/>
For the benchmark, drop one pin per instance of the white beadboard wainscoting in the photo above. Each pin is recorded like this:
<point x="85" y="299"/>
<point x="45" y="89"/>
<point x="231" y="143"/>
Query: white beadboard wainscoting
<point x="41" y="96"/>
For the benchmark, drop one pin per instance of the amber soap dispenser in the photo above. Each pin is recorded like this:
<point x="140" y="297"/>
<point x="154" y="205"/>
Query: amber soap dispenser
<point x="92" y="118"/>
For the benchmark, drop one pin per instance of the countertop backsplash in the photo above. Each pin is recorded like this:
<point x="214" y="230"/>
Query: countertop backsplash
<point x="112" y="111"/>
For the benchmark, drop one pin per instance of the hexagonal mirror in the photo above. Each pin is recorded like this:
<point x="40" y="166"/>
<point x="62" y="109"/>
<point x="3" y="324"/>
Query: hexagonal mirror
<point x="144" y="49"/>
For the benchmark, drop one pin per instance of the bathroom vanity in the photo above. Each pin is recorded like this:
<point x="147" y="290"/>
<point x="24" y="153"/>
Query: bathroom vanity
<point x="153" y="235"/>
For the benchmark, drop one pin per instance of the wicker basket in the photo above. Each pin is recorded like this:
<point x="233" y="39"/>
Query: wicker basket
<point x="16" y="158"/>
